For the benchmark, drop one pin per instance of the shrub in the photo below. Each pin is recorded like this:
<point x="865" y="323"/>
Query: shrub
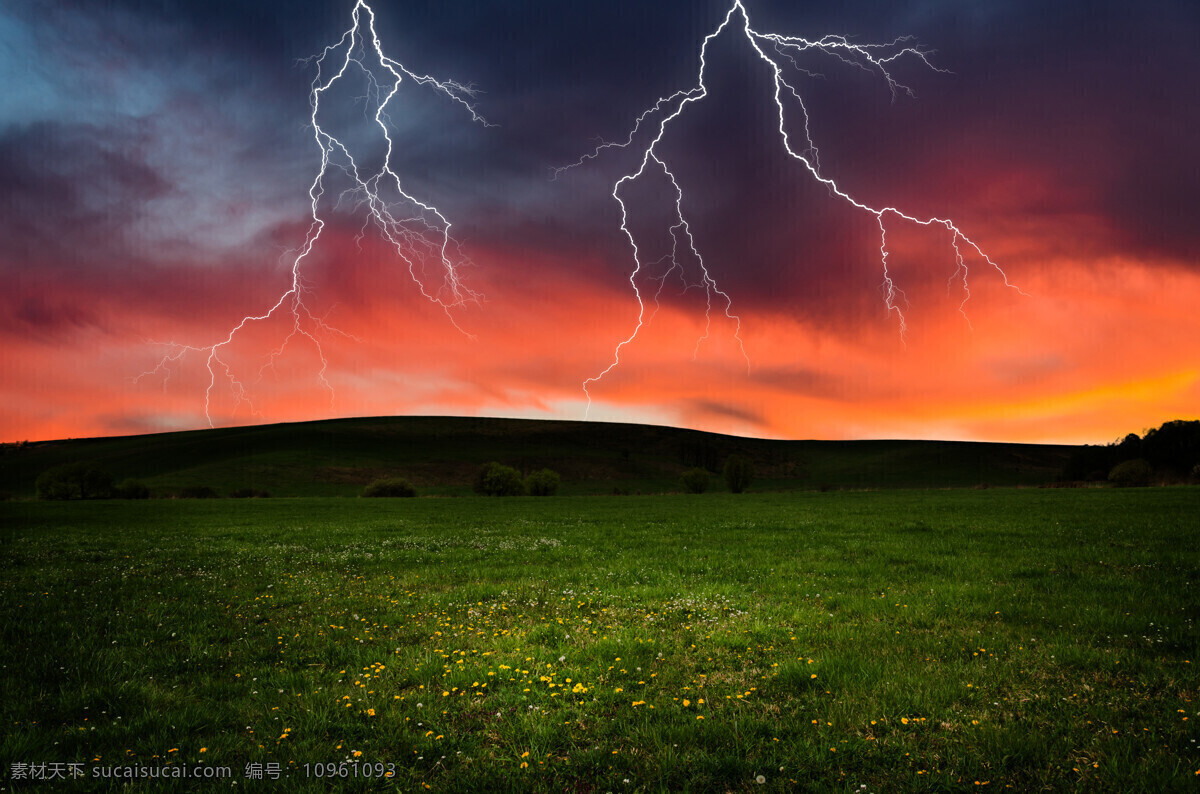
<point x="1131" y="473"/>
<point x="1196" y="473"/>
<point x="695" y="480"/>
<point x="542" y="483"/>
<point x="74" y="481"/>
<point x="250" y="493"/>
<point x="496" y="479"/>
<point x="739" y="472"/>
<point x="197" y="492"/>
<point x="390" y="486"/>
<point x="131" y="489"/>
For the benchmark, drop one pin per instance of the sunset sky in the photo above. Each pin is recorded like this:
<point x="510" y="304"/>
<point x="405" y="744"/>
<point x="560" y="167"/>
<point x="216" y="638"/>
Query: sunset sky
<point x="156" y="158"/>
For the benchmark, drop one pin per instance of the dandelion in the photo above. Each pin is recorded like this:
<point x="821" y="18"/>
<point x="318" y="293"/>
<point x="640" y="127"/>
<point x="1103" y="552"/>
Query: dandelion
<point x="370" y="712"/>
<point x="357" y="754"/>
<point x="760" y="780"/>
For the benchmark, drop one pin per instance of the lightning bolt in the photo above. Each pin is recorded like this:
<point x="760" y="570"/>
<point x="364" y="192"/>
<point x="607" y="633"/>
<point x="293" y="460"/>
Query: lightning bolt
<point x="418" y="231"/>
<point x="781" y="54"/>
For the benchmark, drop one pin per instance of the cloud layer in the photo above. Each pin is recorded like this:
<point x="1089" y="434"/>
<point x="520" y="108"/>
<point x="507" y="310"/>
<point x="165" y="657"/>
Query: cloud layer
<point x="155" y="163"/>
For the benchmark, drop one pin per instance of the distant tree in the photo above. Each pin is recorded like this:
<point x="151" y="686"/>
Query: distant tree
<point x="695" y="480"/>
<point x="496" y="479"/>
<point x="249" y="493"/>
<point x="1130" y="447"/>
<point x="390" y="486"/>
<point x="197" y="492"/>
<point x="1131" y="473"/>
<point x="739" y="473"/>
<point x="1174" y="446"/>
<point x="74" y="481"/>
<point x="542" y="483"/>
<point x="131" y="489"/>
<point x="1196" y="473"/>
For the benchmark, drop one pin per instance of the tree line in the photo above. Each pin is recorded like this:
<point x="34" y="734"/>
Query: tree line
<point x="1170" y="452"/>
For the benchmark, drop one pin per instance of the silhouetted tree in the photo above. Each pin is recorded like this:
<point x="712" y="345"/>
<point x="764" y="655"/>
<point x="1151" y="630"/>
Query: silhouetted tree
<point x="249" y="493"/>
<point x="496" y="479"/>
<point x="695" y="480"/>
<point x="198" y="492"/>
<point x="131" y="489"/>
<point x="1174" y="446"/>
<point x="1131" y="473"/>
<point x="542" y="483"/>
<point x="74" y="481"/>
<point x="390" y="486"/>
<point x="739" y="472"/>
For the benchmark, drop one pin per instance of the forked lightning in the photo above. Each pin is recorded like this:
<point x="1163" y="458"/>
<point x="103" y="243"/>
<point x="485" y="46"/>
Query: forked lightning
<point x="418" y="231"/>
<point x="782" y="55"/>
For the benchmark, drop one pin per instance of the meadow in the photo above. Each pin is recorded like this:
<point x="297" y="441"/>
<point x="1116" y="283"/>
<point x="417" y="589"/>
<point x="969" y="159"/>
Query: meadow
<point x="907" y="640"/>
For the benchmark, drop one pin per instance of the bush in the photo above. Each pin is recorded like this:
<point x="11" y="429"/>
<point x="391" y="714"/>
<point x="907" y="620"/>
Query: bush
<point x="1196" y="473"/>
<point x="542" y="483"/>
<point x="197" y="492"/>
<point x="74" y="481"/>
<point x="1131" y="473"/>
<point x="496" y="479"/>
<point x="695" y="480"/>
<point x="739" y="472"/>
<point x="131" y="489"/>
<point x="390" y="486"/>
<point x="250" y="493"/>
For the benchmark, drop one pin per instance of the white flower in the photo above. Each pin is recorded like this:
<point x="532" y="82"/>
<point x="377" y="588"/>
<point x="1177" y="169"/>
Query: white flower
<point x="760" y="780"/>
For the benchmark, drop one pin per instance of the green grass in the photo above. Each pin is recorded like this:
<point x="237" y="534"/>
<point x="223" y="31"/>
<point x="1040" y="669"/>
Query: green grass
<point x="899" y="640"/>
<point x="440" y="455"/>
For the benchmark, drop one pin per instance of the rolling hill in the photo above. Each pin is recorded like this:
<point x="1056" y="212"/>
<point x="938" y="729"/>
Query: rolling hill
<point x="440" y="455"/>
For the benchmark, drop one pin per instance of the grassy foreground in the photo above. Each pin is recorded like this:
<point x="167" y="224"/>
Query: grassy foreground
<point x="903" y="640"/>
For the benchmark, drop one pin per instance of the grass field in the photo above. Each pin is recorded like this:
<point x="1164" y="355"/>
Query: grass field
<point x="847" y="641"/>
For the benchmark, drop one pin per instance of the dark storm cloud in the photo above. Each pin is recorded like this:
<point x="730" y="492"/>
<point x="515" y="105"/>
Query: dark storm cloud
<point x="710" y="409"/>
<point x="45" y="319"/>
<point x="68" y="191"/>
<point x="1096" y="98"/>
<point x="799" y="380"/>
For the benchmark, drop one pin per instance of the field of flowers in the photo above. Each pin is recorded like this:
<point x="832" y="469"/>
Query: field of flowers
<point x="906" y="640"/>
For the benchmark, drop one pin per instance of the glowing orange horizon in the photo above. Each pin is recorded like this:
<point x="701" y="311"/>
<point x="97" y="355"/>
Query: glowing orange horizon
<point x="1025" y="370"/>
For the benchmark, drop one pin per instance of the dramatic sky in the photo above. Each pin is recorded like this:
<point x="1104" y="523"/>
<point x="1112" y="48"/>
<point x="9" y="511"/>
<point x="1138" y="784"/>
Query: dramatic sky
<point x="156" y="158"/>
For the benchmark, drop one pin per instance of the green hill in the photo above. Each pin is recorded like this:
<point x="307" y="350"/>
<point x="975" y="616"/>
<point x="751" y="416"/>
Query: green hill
<point x="440" y="455"/>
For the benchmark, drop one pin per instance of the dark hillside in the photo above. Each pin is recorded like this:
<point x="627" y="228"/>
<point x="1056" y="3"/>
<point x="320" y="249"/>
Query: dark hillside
<point x="440" y="455"/>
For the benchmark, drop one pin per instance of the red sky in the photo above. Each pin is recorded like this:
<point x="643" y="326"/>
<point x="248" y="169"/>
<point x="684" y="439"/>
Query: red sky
<point x="161" y="207"/>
